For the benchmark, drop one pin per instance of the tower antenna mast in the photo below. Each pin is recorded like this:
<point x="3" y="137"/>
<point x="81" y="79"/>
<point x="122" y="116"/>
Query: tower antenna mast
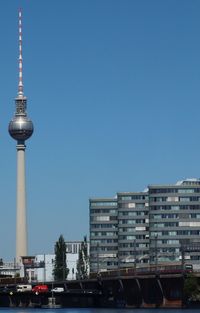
<point x="20" y="84"/>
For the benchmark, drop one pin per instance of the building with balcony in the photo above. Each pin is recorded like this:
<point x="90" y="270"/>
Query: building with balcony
<point x="103" y="234"/>
<point x="151" y="227"/>
<point x="174" y="219"/>
<point x="133" y="228"/>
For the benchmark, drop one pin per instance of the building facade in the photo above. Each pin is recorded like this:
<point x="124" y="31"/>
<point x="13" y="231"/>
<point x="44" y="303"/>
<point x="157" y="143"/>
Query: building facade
<point x="174" y="215"/>
<point x="73" y="248"/>
<point x="151" y="227"/>
<point x="39" y="268"/>
<point x="133" y="228"/>
<point x="103" y="234"/>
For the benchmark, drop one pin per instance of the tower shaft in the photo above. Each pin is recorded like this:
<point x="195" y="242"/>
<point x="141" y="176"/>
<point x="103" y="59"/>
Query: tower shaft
<point x="21" y="225"/>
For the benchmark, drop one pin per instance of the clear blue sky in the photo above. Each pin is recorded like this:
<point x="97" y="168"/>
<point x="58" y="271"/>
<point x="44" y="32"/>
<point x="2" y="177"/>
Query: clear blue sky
<point x="113" y="89"/>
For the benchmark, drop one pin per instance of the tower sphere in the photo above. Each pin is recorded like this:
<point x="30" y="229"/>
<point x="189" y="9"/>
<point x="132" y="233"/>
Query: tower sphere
<point x="20" y="128"/>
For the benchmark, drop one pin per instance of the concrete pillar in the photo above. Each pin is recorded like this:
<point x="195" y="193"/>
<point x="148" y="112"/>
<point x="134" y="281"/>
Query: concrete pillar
<point x="21" y="228"/>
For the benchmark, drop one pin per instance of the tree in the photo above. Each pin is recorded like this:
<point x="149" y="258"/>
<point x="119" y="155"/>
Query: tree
<point x="82" y="263"/>
<point x="60" y="271"/>
<point x="191" y="288"/>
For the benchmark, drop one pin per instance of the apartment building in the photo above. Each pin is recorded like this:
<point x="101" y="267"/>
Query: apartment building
<point x="133" y="228"/>
<point x="151" y="227"/>
<point x="174" y="218"/>
<point x="103" y="234"/>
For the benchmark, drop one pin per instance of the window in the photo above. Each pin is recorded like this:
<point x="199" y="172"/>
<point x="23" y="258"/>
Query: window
<point x="175" y="207"/>
<point x="126" y="198"/>
<point x="172" y="199"/>
<point x="156" y="216"/>
<point x="108" y="255"/>
<point x="186" y="190"/>
<point x="158" y="224"/>
<point x="111" y="233"/>
<point x="103" y="218"/>
<point x="130" y="237"/>
<point x="153" y="234"/>
<point x="140" y="205"/>
<point x="92" y="204"/>
<point x="172" y="242"/>
<point x="190" y="224"/>
<point x="172" y="233"/>
<point x="130" y="229"/>
<point x="132" y="213"/>
<point x="140" y="228"/>
<point x="131" y="205"/>
<point x="112" y="211"/>
<point x="103" y="210"/>
<point x="184" y="199"/>
<point x="69" y="248"/>
<point x="113" y="218"/>
<point x="127" y="222"/>
<point x="158" y="199"/>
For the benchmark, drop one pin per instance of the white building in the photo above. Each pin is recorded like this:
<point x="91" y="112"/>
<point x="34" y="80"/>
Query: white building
<point x="46" y="273"/>
<point x="9" y="268"/>
<point x="39" y="268"/>
<point x="73" y="248"/>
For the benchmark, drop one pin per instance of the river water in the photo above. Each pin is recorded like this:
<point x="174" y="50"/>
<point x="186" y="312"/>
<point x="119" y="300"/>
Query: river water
<point x="90" y="310"/>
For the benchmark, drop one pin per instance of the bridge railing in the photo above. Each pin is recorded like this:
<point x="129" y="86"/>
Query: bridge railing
<point x="151" y="269"/>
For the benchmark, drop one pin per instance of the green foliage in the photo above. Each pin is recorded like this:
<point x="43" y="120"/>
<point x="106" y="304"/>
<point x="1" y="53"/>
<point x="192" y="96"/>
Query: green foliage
<point x="83" y="260"/>
<point x="191" y="288"/>
<point x="60" y="271"/>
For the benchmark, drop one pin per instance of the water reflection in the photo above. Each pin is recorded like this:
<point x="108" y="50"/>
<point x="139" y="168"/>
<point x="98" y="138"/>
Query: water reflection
<point x="91" y="310"/>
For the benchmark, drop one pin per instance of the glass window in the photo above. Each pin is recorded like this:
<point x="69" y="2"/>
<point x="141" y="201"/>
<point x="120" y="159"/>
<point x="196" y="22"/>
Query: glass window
<point x="106" y="203"/>
<point x="172" y="199"/>
<point x="186" y="190"/>
<point x="175" y="207"/>
<point x="131" y="205"/>
<point x="126" y="198"/>
<point x="140" y="205"/>
<point x="172" y="233"/>
<point x="184" y="199"/>
<point x="103" y="218"/>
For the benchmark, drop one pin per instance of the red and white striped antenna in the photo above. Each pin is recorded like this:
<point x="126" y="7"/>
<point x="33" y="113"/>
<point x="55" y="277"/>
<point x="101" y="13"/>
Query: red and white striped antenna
<point x="20" y="84"/>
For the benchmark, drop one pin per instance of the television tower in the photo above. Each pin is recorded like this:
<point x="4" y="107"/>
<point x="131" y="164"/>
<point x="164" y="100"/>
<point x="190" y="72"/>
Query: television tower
<point x="20" y="128"/>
